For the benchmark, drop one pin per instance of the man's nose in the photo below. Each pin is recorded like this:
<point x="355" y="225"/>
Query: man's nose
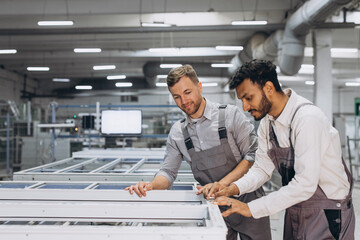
<point x="184" y="100"/>
<point x="246" y="106"/>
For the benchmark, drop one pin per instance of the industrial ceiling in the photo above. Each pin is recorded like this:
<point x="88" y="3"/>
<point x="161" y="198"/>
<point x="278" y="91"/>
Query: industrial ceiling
<point x="116" y="27"/>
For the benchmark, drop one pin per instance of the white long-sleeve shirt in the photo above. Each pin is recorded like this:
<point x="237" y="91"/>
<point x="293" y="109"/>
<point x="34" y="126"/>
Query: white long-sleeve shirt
<point x="317" y="159"/>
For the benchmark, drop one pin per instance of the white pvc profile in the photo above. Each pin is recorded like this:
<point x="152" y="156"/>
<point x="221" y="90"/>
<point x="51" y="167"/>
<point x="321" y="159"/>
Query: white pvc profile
<point x="127" y="152"/>
<point x="137" y="170"/>
<point x="76" y="166"/>
<point x="74" y="214"/>
<point x="101" y="185"/>
<point x="98" y="195"/>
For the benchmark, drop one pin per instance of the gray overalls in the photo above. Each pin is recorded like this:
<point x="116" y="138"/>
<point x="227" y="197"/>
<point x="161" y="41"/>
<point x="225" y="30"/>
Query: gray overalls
<point x="212" y="165"/>
<point x="318" y="217"/>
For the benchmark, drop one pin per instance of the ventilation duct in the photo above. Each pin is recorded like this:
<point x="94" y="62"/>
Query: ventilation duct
<point x="289" y="44"/>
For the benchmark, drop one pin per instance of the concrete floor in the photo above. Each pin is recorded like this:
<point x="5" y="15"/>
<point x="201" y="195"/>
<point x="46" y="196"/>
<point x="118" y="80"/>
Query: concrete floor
<point x="277" y="220"/>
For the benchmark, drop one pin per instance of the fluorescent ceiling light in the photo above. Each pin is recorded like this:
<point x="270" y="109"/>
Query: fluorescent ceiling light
<point x="213" y="84"/>
<point x="350" y="53"/>
<point x="83" y="87"/>
<point x="352" y="84"/>
<point x="307" y="69"/>
<point x="307" y="66"/>
<point x="123" y="84"/>
<point x="61" y="80"/>
<point x="42" y="69"/>
<point x="8" y="51"/>
<point x="87" y="50"/>
<point x="115" y="77"/>
<point x="344" y="50"/>
<point x="161" y="76"/>
<point x="164" y="49"/>
<point x="222" y="65"/>
<point x="155" y="24"/>
<point x="229" y="48"/>
<point x="293" y="78"/>
<point x="55" y="23"/>
<point x="248" y="22"/>
<point x="104" y="67"/>
<point x="161" y="84"/>
<point x="309" y="82"/>
<point x="170" y="65"/>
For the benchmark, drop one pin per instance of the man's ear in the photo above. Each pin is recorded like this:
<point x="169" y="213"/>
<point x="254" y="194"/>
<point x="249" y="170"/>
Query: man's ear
<point x="269" y="88"/>
<point x="200" y="86"/>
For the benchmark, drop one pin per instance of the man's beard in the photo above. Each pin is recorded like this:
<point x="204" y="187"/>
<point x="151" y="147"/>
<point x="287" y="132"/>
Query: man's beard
<point x="196" y="106"/>
<point x="264" y="107"/>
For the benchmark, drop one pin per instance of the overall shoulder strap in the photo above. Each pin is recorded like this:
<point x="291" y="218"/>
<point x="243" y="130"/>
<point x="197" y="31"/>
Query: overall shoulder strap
<point x="188" y="142"/>
<point x="296" y="110"/>
<point x="221" y="127"/>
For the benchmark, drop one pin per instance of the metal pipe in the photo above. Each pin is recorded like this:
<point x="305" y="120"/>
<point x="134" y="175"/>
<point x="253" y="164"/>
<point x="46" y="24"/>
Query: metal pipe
<point x="7" y="143"/>
<point x="29" y="118"/>
<point x="53" y="136"/>
<point x="289" y="44"/>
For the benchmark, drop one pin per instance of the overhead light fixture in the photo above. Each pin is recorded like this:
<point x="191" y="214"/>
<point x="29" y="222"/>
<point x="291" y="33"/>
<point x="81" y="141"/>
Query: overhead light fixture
<point x="8" y="51"/>
<point x="55" y="23"/>
<point x="87" y="50"/>
<point x="213" y="84"/>
<point x="155" y="24"/>
<point x="40" y="69"/>
<point x="161" y="84"/>
<point x="83" y="87"/>
<point x="164" y="50"/>
<point x="293" y="78"/>
<point x="61" y="80"/>
<point x="229" y="48"/>
<point x="115" y="77"/>
<point x="123" y="84"/>
<point x="161" y="76"/>
<point x="104" y="67"/>
<point x="344" y="50"/>
<point x="248" y="22"/>
<point x="306" y="69"/>
<point x="170" y="65"/>
<point x="310" y="83"/>
<point x="352" y="84"/>
<point x="308" y="66"/>
<point x="222" y="65"/>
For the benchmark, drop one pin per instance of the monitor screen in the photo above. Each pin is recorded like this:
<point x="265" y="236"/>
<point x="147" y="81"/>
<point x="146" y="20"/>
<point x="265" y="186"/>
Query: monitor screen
<point x="121" y="122"/>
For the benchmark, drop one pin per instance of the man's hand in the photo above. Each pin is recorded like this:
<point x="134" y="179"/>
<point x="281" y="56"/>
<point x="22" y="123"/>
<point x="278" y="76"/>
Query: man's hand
<point x="228" y="191"/>
<point x="234" y="205"/>
<point x="210" y="189"/>
<point x="140" y="188"/>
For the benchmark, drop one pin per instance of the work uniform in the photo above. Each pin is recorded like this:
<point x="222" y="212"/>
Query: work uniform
<point x="217" y="160"/>
<point x="314" y="177"/>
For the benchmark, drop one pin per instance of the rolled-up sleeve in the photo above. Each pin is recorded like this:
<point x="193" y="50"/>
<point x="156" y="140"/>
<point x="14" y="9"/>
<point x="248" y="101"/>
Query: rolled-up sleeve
<point x="245" y="136"/>
<point x="172" y="159"/>
<point x="309" y="138"/>
<point x="262" y="169"/>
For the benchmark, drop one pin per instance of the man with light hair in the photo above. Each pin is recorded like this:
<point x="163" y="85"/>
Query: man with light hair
<point x="219" y="143"/>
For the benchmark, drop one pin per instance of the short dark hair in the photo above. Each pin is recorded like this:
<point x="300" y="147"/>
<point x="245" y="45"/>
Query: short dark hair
<point x="259" y="72"/>
<point x="176" y="73"/>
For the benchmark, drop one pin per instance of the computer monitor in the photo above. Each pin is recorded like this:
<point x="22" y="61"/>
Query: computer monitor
<point x="121" y="122"/>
